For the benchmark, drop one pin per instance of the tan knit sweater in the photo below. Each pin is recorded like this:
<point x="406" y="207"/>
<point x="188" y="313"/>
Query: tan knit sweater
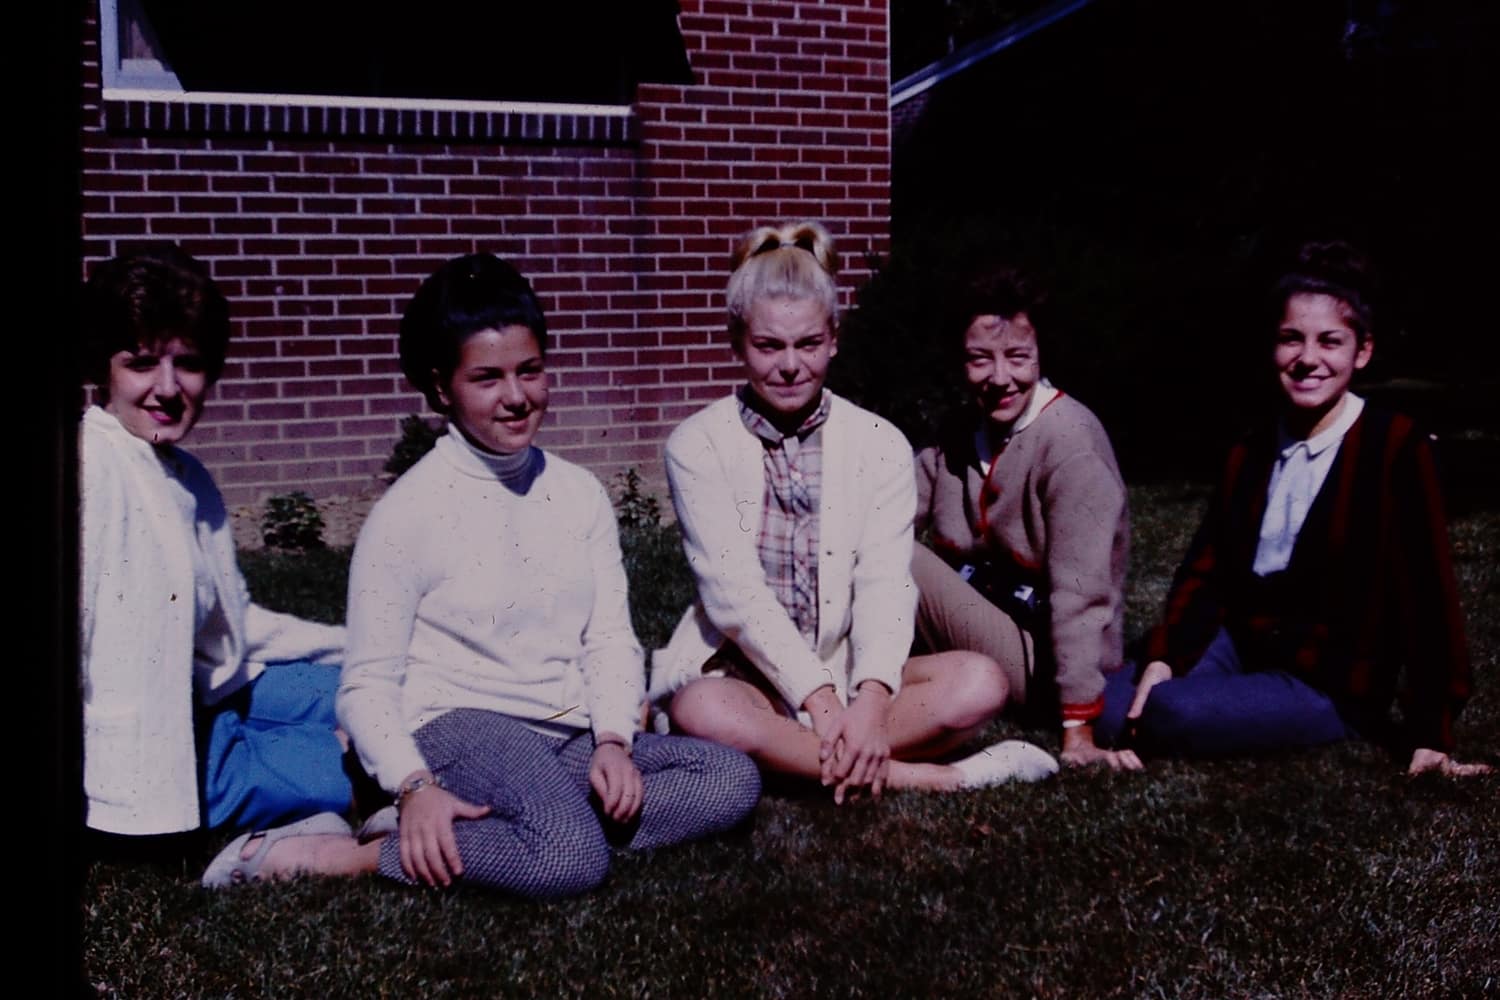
<point x="1054" y="507"/>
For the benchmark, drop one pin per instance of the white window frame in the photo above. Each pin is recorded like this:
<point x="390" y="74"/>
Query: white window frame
<point x="128" y="74"/>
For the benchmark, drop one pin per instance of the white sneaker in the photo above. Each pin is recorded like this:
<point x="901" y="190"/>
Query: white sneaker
<point x="1008" y="760"/>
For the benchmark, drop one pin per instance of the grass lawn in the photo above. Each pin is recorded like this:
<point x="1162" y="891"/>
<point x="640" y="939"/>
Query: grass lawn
<point x="1317" y="874"/>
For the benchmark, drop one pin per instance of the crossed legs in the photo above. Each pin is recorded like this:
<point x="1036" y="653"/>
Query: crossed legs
<point x="542" y="837"/>
<point x="944" y="700"/>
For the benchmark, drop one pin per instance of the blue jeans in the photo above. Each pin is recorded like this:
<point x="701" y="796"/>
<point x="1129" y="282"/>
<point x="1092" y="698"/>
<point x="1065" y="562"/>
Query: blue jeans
<point x="271" y="755"/>
<point x="1223" y="708"/>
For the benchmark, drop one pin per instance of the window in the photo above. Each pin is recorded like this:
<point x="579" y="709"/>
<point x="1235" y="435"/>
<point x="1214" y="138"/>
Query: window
<point x="561" y="51"/>
<point x="130" y="51"/>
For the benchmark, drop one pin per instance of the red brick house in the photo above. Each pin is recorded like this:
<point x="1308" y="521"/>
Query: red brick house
<point x="320" y="214"/>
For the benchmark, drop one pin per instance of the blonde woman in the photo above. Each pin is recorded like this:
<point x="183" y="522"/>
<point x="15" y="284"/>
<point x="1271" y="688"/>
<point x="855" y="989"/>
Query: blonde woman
<point x="796" y="511"/>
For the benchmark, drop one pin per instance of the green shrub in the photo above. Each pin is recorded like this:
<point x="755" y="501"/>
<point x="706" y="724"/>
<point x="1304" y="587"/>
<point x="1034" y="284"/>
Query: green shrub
<point x="292" y="521"/>
<point x="661" y="585"/>
<point x="634" y="507"/>
<point x="897" y="355"/>
<point x="1112" y="326"/>
<point x="417" y="439"/>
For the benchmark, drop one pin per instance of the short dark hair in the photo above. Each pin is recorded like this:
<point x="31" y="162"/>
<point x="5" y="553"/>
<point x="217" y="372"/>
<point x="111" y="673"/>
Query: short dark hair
<point x="1338" y="270"/>
<point x="465" y="296"/>
<point x="156" y="293"/>
<point x="994" y="287"/>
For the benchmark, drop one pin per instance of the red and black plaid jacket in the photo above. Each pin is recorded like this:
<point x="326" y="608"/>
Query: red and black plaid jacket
<point x="1367" y="610"/>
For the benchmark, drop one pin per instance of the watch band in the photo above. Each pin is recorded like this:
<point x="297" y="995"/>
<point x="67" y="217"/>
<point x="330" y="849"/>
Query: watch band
<point x="413" y="785"/>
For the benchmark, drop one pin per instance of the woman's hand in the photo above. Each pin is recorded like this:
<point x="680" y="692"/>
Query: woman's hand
<point x="1423" y="760"/>
<point x="856" y="751"/>
<point x="429" y="852"/>
<point x="1080" y="750"/>
<point x="1156" y="671"/>
<point x="825" y="708"/>
<point x="615" y="779"/>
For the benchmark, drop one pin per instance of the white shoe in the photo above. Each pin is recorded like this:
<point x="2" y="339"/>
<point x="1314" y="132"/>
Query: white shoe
<point x="1009" y="760"/>
<point x="229" y="868"/>
<point x="381" y="823"/>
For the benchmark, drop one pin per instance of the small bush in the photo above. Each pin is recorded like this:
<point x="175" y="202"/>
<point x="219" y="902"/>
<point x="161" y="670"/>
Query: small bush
<point x="634" y="507"/>
<point x="417" y="439"/>
<point x="292" y="521"/>
<point x="661" y="585"/>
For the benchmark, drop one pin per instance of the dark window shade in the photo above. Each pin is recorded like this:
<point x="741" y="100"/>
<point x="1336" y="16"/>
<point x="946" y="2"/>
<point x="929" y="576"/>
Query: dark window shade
<point x="501" y="50"/>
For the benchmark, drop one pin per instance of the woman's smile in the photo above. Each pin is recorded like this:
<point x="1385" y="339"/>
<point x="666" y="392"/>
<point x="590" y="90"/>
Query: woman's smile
<point x="1002" y="364"/>
<point x="1316" y="355"/>
<point x="498" y="391"/>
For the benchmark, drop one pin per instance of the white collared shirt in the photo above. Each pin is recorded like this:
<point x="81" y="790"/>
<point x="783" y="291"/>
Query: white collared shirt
<point x="1045" y="393"/>
<point x="1300" y="470"/>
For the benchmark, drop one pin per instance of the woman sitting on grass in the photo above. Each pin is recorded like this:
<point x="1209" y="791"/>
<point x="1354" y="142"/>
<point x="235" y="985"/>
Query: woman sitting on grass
<point x="1028" y="518"/>
<point x="796" y="514"/>
<point x="1322" y="569"/>
<point x="493" y="680"/>
<point x="169" y="632"/>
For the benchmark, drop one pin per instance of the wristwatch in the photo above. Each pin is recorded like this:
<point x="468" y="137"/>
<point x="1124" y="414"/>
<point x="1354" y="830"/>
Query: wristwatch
<point x="415" y="784"/>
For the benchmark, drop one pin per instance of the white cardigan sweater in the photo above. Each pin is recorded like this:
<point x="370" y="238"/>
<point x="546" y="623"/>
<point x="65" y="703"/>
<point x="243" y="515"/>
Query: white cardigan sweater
<point x="866" y="598"/>
<point x="138" y="620"/>
<point x="465" y="594"/>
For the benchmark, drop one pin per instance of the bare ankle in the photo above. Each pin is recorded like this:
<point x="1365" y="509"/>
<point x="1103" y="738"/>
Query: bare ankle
<point x="311" y="855"/>
<point x="924" y="777"/>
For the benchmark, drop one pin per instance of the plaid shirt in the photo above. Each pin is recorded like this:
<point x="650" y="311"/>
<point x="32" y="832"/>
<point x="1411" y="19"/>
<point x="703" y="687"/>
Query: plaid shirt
<point x="788" y="540"/>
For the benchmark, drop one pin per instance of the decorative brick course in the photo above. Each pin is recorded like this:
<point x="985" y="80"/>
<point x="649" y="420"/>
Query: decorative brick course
<point x="320" y="219"/>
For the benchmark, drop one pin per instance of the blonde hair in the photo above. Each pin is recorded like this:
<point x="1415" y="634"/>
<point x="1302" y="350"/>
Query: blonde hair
<point x="795" y="260"/>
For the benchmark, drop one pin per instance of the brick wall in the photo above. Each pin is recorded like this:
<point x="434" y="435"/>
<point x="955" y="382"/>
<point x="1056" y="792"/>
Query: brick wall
<point x="321" y="220"/>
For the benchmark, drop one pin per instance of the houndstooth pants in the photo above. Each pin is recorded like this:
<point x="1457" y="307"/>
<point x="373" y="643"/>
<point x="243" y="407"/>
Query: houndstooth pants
<point x="543" y="837"/>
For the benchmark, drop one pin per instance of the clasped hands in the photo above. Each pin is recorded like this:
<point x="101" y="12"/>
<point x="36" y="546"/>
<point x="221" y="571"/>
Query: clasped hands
<point x="854" y="746"/>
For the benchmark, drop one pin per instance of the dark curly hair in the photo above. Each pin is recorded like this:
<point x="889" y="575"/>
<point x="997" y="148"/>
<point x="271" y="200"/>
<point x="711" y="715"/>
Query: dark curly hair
<point x="142" y="299"/>
<point x="994" y="287"/>
<point x="1336" y="269"/>
<point x="465" y="296"/>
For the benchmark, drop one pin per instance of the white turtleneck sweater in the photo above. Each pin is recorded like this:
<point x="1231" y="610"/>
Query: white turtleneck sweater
<point x="476" y="584"/>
